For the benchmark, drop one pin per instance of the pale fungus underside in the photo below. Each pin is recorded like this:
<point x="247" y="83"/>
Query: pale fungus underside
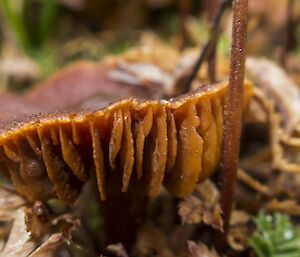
<point x="176" y="143"/>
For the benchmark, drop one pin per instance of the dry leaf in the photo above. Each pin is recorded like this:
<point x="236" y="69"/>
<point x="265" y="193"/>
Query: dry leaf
<point x="19" y="243"/>
<point x="238" y="238"/>
<point x="239" y="231"/>
<point x="77" y="83"/>
<point x="55" y="245"/>
<point x="61" y="244"/>
<point x="20" y="67"/>
<point x="143" y="66"/>
<point x="239" y="217"/>
<point x="117" y="249"/>
<point x="152" y="242"/>
<point x="36" y="219"/>
<point x="200" y="250"/>
<point x="150" y="52"/>
<point x="9" y="203"/>
<point x="80" y="85"/>
<point x="275" y="83"/>
<point x="202" y="206"/>
<point x="279" y="96"/>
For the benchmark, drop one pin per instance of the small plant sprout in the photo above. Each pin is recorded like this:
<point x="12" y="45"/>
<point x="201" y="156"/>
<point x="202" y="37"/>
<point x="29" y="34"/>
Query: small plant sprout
<point x="275" y="236"/>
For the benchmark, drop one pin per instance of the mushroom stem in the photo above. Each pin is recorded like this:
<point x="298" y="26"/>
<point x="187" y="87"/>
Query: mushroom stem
<point x="123" y="213"/>
<point x="233" y="111"/>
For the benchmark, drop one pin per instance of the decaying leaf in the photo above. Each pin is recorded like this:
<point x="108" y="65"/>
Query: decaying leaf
<point x="202" y="206"/>
<point x="200" y="250"/>
<point x="58" y="245"/>
<point x="17" y="65"/>
<point x="239" y="230"/>
<point x="19" y="243"/>
<point x="77" y="83"/>
<point x="33" y="232"/>
<point x="9" y="203"/>
<point x="78" y="86"/>
<point x="152" y="242"/>
<point x="55" y="245"/>
<point x="117" y="249"/>
<point x="36" y="219"/>
<point x="276" y="84"/>
<point x="150" y="52"/>
<point x="143" y="66"/>
<point x="66" y="223"/>
<point x="279" y="97"/>
<point x="61" y="243"/>
<point x="239" y="217"/>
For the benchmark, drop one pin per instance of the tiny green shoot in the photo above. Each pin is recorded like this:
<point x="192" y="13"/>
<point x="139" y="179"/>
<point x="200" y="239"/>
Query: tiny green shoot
<point x="275" y="236"/>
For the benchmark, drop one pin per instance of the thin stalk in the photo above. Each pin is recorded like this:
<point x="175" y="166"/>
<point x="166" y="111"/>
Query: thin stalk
<point x="184" y="8"/>
<point x="211" y="6"/>
<point x="233" y="112"/>
<point x="209" y="44"/>
<point x="211" y="68"/>
<point x="288" y="33"/>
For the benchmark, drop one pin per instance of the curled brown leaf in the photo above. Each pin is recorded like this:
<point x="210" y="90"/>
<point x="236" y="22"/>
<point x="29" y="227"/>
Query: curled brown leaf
<point x="19" y="243"/>
<point x="152" y="242"/>
<point x="200" y="250"/>
<point x="202" y="206"/>
<point x="9" y="203"/>
<point x="239" y="230"/>
<point x="55" y="245"/>
<point x="36" y="219"/>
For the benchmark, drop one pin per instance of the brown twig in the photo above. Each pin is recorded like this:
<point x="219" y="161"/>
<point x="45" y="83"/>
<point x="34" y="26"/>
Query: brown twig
<point x="288" y="33"/>
<point x="233" y="112"/>
<point x="210" y="8"/>
<point x="211" y="68"/>
<point x="184" y="8"/>
<point x="211" y="58"/>
<point x="209" y="44"/>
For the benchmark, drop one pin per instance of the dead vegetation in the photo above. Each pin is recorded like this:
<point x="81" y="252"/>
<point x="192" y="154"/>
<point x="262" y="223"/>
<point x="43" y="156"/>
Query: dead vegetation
<point x="84" y="177"/>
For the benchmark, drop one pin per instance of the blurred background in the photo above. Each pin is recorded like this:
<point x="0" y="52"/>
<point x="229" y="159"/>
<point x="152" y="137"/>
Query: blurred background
<point x="39" y="37"/>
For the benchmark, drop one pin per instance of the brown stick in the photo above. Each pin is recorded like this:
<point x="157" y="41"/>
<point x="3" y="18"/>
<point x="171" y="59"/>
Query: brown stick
<point x="184" y="8"/>
<point x="209" y="44"/>
<point x="288" y="33"/>
<point x="211" y="6"/>
<point x="212" y="62"/>
<point x="233" y="111"/>
<point x="211" y="58"/>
